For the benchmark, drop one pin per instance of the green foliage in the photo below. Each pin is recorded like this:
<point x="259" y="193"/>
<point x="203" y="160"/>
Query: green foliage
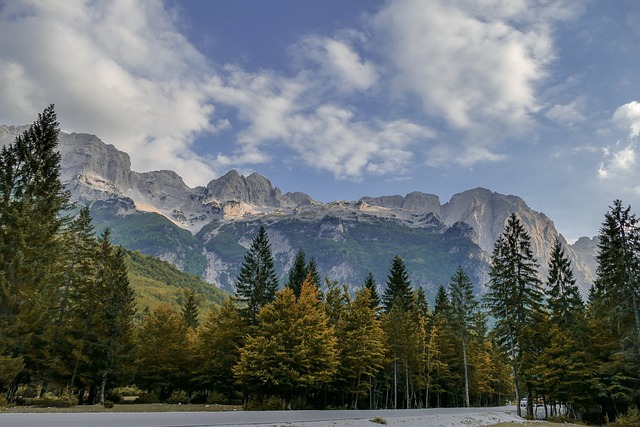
<point x="151" y="234"/>
<point x="257" y="283"/>
<point x="398" y="289"/>
<point x="156" y="282"/>
<point x="630" y="419"/>
<point x="378" y="420"/>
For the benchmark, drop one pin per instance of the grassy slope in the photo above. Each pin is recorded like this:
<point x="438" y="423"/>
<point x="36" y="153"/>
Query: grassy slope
<point x="155" y="281"/>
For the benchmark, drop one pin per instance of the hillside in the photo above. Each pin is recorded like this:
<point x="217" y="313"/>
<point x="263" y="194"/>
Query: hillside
<point x="155" y="281"/>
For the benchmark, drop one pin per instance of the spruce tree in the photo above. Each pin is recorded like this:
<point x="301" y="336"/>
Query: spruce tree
<point x="515" y="298"/>
<point x="563" y="296"/>
<point x="257" y="283"/>
<point x="398" y="287"/>
<point x="370" y="284"/>
<point x="614" y="311"/>
<point x="463" y="307"/>
<point x="190" y="312"/>
<point x="31" y="200"/>
<point x="298" y="273"/>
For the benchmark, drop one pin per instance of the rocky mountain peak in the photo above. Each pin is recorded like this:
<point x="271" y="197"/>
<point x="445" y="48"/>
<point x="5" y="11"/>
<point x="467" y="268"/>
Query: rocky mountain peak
<point x="253" y="190"/>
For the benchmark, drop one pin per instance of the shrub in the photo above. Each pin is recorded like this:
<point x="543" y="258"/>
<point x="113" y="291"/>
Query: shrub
<point x="3" y="402"/>
<point x="178" y="397"/>
<point x="108" y="404"/>
<point x="630" y="419"/>
<point x="64" y="400"/>
<point x="378" y="420"/>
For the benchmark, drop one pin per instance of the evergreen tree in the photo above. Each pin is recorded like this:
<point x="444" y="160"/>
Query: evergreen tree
<point x="257" y="283"/>
<point x="463" y="306"/>
<point x="398" y="287"/>
<point x="190" y="312"/>
<point x="298" y="273"/>
<point x="31" y="200"/>
<point x="370" y="284"/>
<point x="614" y="310"/>
<point x="563" y="296"/>
<point x="515" y="298"/>
<point x="442" y="303"/>
<point x="422" y="305"/>
<point x="312" y="271"/>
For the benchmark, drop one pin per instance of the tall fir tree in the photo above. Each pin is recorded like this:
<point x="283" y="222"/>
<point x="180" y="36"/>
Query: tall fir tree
<point x="563" y="296"/>
<point x="463" y="308"/>
<point x="32" y="198"/>
<point x="190" y="311"/>
<point x="614" y="311"/>
<point x="298" y="273"/>
<point x="257" y="283"/>
<point x="398" y="287"/>
<point x="515" y="298"/>
<point x="371" y="284"/>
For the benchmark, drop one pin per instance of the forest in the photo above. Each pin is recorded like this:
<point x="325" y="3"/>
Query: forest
<point x="70" y="331"/>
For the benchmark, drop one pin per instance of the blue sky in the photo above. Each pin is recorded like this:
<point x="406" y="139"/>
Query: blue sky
<point x="348" y="98"/>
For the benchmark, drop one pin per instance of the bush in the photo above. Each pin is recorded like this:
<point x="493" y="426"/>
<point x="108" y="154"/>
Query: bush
<point x="113" y="396"/>
<point x="108" y="404"/>
<point x="178" y="397"/>
<point x="50" y="400"/>
<point x="630" y="419"/>
<point x="3" y="402"/>
<point x="378" y="420"/>
<point x="129" y="390"/>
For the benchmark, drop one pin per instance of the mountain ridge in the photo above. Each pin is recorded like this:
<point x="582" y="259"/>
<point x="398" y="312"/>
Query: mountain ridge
<point x="99" y="175"/>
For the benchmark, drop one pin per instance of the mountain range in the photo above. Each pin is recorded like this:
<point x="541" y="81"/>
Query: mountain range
<point x="206" y="230"/>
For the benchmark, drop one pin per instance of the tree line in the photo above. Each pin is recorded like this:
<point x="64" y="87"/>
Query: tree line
<point x="68" y="320"/>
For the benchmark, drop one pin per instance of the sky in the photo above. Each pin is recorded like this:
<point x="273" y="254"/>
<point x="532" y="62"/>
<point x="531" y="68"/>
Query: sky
<point x="342" y="99"/>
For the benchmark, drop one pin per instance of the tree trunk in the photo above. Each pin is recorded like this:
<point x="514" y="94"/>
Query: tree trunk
<point x="466" y="372"/>
<point x="103" y="386"/>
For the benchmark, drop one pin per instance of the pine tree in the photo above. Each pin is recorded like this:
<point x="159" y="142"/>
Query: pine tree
<point x="190" y="312"/>
<point x="370" y="284"/>
<point x="398" y="287"/>
<point x="31" y="200"/>
<point x="463" y="306"/>
<point x="515" y="297"/>
<point x="614" y="312"/>
<point x="563" y="296"/>
<point x="257" y="282"/>
<point x="298" y="273"/>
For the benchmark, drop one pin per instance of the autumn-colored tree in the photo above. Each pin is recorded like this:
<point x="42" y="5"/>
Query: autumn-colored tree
<point x="292" y="350"/>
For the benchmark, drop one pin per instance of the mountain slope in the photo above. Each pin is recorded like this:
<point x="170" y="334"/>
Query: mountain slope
<point x="206" y="230"/>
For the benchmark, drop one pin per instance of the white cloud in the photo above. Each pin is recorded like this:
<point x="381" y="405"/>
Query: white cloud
<point x="617" y="163"/>
<point x="338" y="62"/>
<point x="118" y="69"/>
<point x="325" y="136"/>
<point x="568" y="115"/>
<point x="475" y="64"/>
<point x="628" y="117"/>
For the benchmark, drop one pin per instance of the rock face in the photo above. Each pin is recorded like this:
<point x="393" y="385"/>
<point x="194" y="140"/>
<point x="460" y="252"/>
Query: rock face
<point x="347" y="238"/>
